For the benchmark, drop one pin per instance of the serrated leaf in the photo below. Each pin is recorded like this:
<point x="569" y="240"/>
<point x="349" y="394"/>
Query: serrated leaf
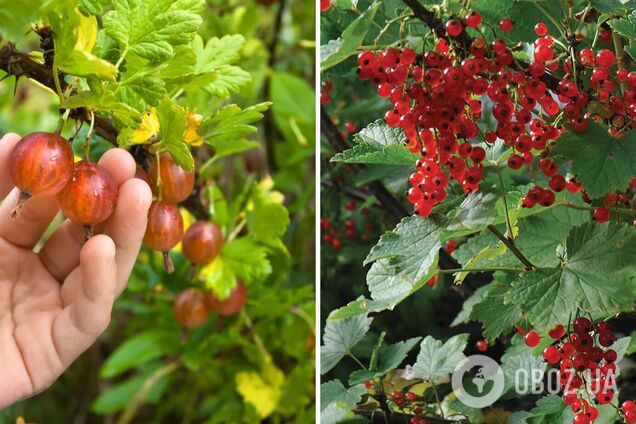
<point x="625" y="27"/>
<point x="437" y="359"/>
<point x="364" y="153"/>
<point x="336" y="401"/>
<point x="268" y="219"/>
<point x="593" y="255"/>
<point x="106" y="103"/>
<point x="75" y="36"/>
<point x="337" y="51"/>
<point x="539" y="235"/>
<point x="226" y="130"/>
<point x="602" y="163"/>
<point x="404" y="259"/>
<point x="390" y="356"/>
<point x="378" y="143"/>
<point x="339" y="337"/>
<point x="478" y="210"/>
<point x="152" y="28"/>
<point x="516" y="358"/>
<point x="172" y="125"/>
<point x="467" y="308"/>
<point x="497" y="318"/>
<point x="220" y="82"/>
<point x="92" y="7"/>
<point x="217" y="52"/>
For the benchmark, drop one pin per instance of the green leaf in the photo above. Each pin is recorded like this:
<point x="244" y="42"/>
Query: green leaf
<point x="226" y="130"/>
<point x="338" y="50"/>
<point x="539" y="235"/>
<point x="220" y="82"/>
<point x="593" y="255"/>
<point x="404" y="259"/>
<point x="172" y="123"/>
<point x="268" y="219"/>
<point x="478" y="210"/>
<point x="378" y="143"/>
<point x="550" y="408"/>
<point x="141" y="90"/>
<point x="390" y="356"/>
<point x="625" y="27"/>
<point x="152" y="28"/>
<point x="138" y="350"/>
<point x="601" y="162"/>
<point x="17" y="17"/>
<point x="360" y="376"/>
<point x="497" y="318"/>
<point x="519" y="357"/>
<point x="437" y="359"/>
<point x="339" y="337"/>
<point x="245" y="259"/>
<point x="75" y="36"/>
<point x="467" y="308"/>
<point x="336" y="401"/>
<point x="119" y="396"/>
<point x="631" y="349"/>
<point x="106" y="103"/>
<point x="217" y="52"/>
<point x="213" y="70"/>
<point x="92" y="7"/>
<point x="293" y="109"/>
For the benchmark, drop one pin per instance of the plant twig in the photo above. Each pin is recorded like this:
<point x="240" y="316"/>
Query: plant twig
<point x="511" y="246"/>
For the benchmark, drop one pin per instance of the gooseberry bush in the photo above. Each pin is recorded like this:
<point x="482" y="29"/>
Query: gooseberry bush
<point x="498" y="138"/>
<point x="216" y="324"/>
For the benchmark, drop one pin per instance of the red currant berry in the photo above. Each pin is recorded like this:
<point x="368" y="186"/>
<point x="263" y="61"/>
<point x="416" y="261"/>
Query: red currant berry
<point x="605" y="58"/>
<point x="453" y="27"/>
<point x="473" y="19"/>
<point x="551" y="355"/>
<point x="541" y="29"/>
<point x="602" y="215"/>
<point x="506" y="25"/>
<point x="557" y="332"/>
<point x="481" y="345"/>
<point x="532" y="339"/>
<point x="325" y="5"/>
<point x="581" y="419"/>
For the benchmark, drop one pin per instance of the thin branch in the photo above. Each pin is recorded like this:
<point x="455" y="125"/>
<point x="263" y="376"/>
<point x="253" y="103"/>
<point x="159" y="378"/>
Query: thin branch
<point x="464" y="40"/>
<point x="19" y="64"/>
<point x="511" y="246"/>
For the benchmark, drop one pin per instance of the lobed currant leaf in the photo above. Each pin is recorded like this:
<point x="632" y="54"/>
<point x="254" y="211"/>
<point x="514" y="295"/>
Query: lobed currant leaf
<point x="437" y="359"/>
<point x="339" y="337"/>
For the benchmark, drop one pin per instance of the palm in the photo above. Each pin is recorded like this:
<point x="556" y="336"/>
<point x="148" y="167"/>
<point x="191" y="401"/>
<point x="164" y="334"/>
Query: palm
<point x="56" y="302"/>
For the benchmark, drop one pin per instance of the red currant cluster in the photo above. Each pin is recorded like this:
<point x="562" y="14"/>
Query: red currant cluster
<point x="411" y="401"/>
<point x="586" y="366"/>
<point x="435" y="102"/>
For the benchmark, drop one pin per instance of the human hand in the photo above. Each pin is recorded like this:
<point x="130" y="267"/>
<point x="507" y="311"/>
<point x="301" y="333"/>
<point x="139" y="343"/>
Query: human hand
<point x="56" y="302"/>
